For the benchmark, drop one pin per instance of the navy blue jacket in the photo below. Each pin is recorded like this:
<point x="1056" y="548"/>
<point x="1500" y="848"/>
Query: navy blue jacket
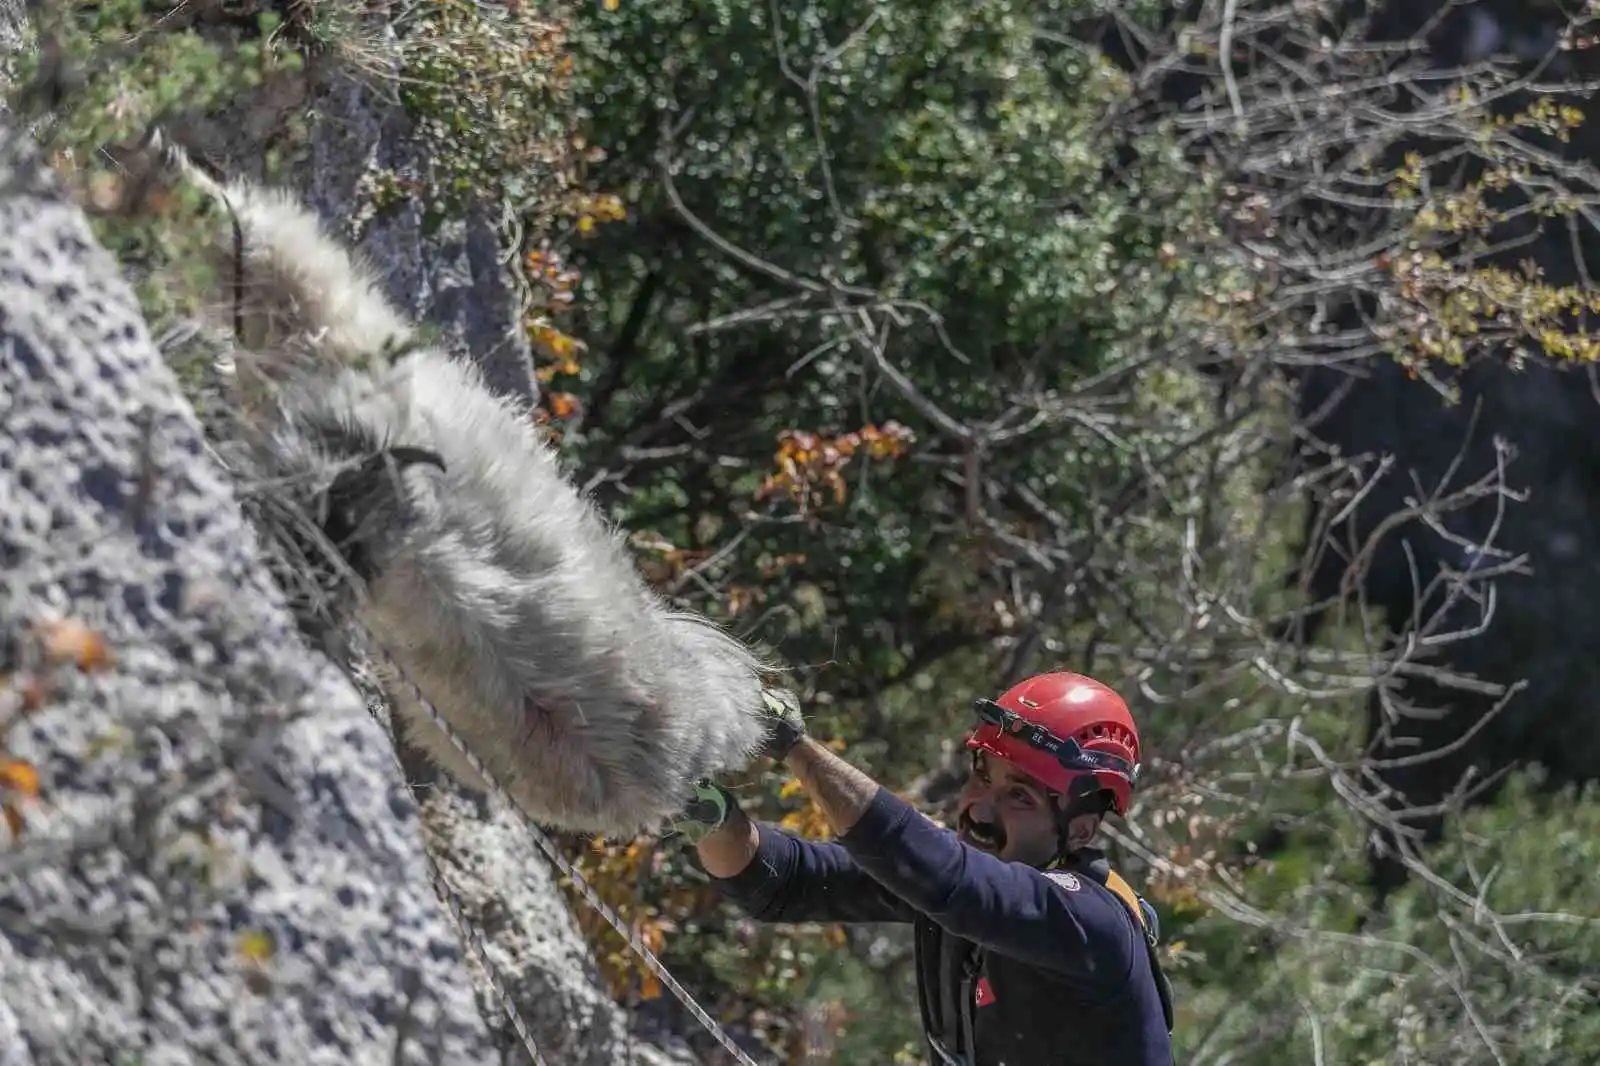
<point x="1029" y="968"/>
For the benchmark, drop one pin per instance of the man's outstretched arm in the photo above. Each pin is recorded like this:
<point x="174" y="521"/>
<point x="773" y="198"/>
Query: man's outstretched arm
<point x="1082" y="933"/>
<point x="779" y="878"/>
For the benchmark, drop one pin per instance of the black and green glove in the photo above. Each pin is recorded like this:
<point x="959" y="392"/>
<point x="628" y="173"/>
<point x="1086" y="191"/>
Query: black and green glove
<point x="786" y="727"/>
<point x="708" y="808"/>
<point x="705" y="812"/>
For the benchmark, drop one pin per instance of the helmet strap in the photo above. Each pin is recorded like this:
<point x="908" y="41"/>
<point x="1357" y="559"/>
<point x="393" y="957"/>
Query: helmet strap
<point x="1071" y="807"/>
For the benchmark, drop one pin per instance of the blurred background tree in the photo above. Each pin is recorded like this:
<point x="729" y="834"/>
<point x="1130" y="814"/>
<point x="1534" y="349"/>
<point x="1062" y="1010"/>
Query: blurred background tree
<point x="946" y="343"/>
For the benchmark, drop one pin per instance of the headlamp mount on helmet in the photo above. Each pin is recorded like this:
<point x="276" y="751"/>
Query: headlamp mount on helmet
<point x="1065" y="750"/>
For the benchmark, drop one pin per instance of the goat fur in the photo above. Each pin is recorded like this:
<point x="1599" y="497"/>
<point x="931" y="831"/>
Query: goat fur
<point x="497" y="588"/>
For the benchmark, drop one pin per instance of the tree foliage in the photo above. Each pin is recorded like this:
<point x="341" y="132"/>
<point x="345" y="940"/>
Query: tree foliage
<point x="1090" y="312"/>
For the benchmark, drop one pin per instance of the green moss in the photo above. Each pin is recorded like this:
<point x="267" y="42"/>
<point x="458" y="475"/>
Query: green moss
<point x="129" y="68"/>
<point x="488" y="92"/>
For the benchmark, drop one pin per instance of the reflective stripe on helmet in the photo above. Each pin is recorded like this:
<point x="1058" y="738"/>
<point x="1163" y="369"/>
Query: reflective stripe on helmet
<point x="1067" y="751"/>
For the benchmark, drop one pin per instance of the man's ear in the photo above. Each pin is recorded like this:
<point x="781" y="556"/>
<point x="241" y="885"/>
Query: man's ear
<point x="1081" y="830"/>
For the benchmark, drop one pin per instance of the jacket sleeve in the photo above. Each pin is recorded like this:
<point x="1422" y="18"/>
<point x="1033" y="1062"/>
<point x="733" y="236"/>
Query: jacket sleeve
<point x="1056" y="921"/>
<point x="795" y="880"/>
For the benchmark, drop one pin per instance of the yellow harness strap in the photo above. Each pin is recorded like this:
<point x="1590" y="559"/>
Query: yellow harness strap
<point x="1130" y="899"/>
<point x="1116" y="884"/>
<point x="1126" y="893"/>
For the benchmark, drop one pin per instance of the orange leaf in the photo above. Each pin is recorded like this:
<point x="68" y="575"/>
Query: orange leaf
<point x="13" y="819"/>
<point x="563" y="404"/>
<point x="561" y="346"/>
<point x="69" y="640"/>
<point x="19" y="776"/>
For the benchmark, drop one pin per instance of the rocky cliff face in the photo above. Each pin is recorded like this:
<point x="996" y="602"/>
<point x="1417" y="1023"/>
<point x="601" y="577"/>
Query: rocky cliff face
<point x="225" y="863"/>
<point x="449" y="276"/>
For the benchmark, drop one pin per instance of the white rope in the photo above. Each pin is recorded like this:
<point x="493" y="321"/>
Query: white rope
<point x="469" y="933"/>
<point x="548" y="848"/>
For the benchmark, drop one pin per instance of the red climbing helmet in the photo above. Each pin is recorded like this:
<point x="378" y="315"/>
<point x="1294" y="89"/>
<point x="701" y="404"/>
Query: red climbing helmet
<point x="1062" y="728"/>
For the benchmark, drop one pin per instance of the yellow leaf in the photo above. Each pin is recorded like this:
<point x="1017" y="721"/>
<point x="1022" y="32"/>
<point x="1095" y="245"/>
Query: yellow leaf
<point x="561" y="346"/>
<point x="256" y="945"/>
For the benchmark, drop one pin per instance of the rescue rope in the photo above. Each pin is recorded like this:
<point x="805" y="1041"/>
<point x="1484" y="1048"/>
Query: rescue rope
<point x="469" y="933"/>
<point x="551" y="853"/>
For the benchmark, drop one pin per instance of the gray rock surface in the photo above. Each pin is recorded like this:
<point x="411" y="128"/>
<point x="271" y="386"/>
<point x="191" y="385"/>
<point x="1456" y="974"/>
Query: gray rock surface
<point x="217" y="786"/>
<point x="509" y="892"/>
<point x="448" y="275"/>
<point x="13" y="34"/>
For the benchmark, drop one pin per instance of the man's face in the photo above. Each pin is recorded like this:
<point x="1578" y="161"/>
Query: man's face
<point x="1007" y="813"/>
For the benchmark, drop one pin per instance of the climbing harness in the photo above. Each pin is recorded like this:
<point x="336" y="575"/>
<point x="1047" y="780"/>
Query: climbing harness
<point x="547" y="847"/>
<point x="1149" y="925"/>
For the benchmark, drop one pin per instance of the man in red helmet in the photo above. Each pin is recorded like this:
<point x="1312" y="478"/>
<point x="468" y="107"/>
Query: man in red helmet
<point x="1030" y="951"/>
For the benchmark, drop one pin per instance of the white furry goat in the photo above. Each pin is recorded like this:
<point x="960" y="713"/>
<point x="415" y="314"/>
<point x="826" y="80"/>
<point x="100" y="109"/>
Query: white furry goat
<point x="494" y="585"/>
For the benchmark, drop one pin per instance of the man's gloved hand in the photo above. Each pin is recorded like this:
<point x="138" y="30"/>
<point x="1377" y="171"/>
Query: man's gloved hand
<point x="705" y="812"/>
<point x="785" y="725"/>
